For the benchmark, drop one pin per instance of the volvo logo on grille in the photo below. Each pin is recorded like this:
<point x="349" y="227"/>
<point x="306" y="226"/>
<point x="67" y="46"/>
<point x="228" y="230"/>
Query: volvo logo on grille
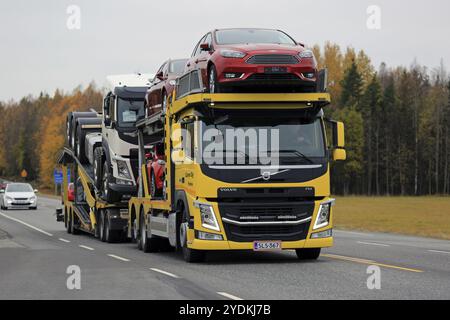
<point x="266" y="175"/>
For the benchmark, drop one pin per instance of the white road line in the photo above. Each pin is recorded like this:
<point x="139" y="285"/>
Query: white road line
<point x="229" y="296"/>
<point x="63" y="240"/>
<point x="438" y="251"/>
<point x="374" y="244"/>
<point x="86" y="247"/>
<point x="165" y="272"/>
<point x="354" y="232"/>
<point x="118" y="258"/>
<point x="26" y="224"/>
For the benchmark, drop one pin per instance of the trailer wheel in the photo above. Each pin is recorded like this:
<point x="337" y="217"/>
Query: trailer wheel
<point x="68" y="223"/>
<point x="308" y="253"/>
<point x="74" y="230"/>
<point x="189" y="255"/>
<point x="146" y="242"/>
<point x="111" y="236"/>
<point x="102" y="226"/>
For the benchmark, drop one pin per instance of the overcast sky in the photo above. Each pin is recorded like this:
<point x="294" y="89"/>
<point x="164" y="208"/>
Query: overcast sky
<point x="39" y="53"/>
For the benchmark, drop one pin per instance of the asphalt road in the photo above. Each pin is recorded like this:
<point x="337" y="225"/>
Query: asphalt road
<point x="35" y="252"/>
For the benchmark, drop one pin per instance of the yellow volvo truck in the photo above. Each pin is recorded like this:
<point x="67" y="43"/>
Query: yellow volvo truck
<point x="219" y="192"/>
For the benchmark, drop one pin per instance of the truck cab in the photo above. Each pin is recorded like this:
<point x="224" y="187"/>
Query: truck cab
<point x="116" y="164"/>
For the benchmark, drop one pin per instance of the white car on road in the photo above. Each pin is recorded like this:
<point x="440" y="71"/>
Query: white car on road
<point x="18" y="195"/>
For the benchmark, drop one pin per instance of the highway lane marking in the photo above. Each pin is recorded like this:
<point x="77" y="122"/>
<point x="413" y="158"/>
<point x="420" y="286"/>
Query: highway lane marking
<point x="26" y="224"/>
<point x="438" y="251"/>
<point x="86" y="247"/>
<point x="229" y="296"/>
<point x="64" y="240"/>
<point x="118" y="258"/>
<point x="165" y="272"/>
<point x="369" y="262"/>
<point x="374" y="244"/>
<point x="353" y="232"/>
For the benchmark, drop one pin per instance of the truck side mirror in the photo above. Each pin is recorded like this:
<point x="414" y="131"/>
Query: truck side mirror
<point x="339" y="153"/>
<point x="177" y="153"/>
<point x="107" y="121"/>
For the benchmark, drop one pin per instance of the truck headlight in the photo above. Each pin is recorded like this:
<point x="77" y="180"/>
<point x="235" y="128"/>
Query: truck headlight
<point x="208" y="217"/>
<point x="323" y="216"/>
<point x="122" y="169"/>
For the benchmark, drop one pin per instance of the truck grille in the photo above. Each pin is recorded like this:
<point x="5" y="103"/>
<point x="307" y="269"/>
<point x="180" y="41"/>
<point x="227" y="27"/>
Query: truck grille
<point x="273" y="59"/>
<point x="266" y="212"/>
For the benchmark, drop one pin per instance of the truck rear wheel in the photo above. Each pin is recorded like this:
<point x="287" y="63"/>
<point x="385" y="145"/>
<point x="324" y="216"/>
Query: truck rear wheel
<point x="68" y="223"/>
<point x="308" y="253"/>
<point x="74" y="229"/>
<point x="146" y="242"/>
<point x="102" y="227"/>
<point x="189" y="255"/>
<point x="111" y="236"/>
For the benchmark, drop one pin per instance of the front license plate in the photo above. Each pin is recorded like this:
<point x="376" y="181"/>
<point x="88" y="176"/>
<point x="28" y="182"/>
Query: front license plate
<point x="275" y="70"/>
<point x="266" y="245"/>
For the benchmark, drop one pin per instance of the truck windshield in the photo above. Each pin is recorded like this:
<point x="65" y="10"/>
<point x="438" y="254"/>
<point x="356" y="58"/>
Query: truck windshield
<point x="292" y="141"/>
<point x="128" y="111"/>
<point x="246" y="36"/>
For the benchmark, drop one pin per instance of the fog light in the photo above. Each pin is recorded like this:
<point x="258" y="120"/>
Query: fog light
<point x="232" y="75"/>
<point x="323" y="234"/>
<point x="208" y="236"/>
<point x="309" y="75"/>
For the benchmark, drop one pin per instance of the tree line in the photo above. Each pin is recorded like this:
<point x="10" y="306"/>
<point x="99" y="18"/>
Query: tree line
<point x="397" y="123"/>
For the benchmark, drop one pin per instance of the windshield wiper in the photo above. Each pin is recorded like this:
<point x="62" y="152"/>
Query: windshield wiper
<point x="298" y="154"/>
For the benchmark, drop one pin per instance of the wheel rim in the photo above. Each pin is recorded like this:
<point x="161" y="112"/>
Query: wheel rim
<point x="143" y="234"/>
<point x="102" y="229"/>
<point x="212" y="81"/>
<point x="183" y="234"/>
<point x="135" y="233"/>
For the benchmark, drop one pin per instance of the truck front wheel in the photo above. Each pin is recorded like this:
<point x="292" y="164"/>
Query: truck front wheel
<point x="189" y="255"/>
<point x="308" y="253"/>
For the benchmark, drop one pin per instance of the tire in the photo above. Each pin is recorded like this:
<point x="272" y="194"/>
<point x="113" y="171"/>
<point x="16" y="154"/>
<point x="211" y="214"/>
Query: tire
<point x="69" y="223"/>
<point x="146" y="243"/>
<point x="32" y="208"/>
<point x="213" y="85"/>
<point x="74" y="230"/>
<point x="80" y="149"/>
<point x="98" y="160"/>
<point x="189" y="255"/>
<point x="308" y="253"/>
<point x="111" y="236"/>
<point x="102" y="227"/>
<point x="107" y="194"/>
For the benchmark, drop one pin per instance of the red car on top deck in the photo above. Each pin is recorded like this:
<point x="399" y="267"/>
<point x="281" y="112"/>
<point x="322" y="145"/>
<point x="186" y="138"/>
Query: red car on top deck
<point x="254" y="59"/>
